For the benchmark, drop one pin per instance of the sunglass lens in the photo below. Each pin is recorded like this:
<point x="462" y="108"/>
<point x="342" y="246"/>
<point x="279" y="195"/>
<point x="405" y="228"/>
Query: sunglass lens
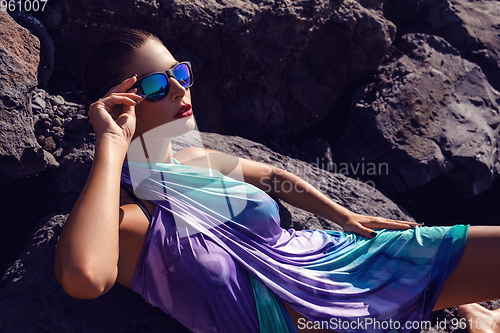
<point x="183" y="75"/>
<point x="155" y="87"/>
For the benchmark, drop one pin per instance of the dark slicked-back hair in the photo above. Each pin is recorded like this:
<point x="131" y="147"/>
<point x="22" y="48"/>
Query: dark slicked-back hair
<point x="103" y="67"/>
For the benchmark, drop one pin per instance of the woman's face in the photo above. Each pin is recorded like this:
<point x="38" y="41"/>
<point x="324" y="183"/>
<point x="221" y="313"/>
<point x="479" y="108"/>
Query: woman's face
<point x="153" y="56"/>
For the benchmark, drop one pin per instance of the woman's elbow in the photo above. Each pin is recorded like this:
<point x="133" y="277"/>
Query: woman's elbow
<point x="82" y="283"/>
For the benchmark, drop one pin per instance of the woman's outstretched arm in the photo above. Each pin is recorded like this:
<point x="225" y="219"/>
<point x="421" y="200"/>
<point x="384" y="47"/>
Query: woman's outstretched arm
<point x="290" y="188"/>
<point x="299" y="193"/>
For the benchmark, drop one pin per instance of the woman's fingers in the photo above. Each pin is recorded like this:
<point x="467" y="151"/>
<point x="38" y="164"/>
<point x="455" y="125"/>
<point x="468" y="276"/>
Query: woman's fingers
<point x="397" y="225"/>
<point x="124" y="98"/>
<point x="124" y="86"/>
<point x="381" y="219"/>
<point x="365" y="225"/>
<point x="383" y="223"/>
<point x="110" y="102"/>
<point x="398" y="221"/>
<point x="106" y="111"/>
<point x="114" y="113"/>
<point x="367" y="232"/>
<point x="360" y="229"/>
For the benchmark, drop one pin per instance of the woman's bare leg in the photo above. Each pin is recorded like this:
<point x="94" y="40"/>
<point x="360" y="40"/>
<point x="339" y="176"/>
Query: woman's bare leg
<point x="475" y="279"/>
<point x="479" y="319"/>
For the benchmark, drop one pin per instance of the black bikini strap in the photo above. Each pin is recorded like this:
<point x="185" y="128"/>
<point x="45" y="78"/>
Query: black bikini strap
<point x="139" y="202"/>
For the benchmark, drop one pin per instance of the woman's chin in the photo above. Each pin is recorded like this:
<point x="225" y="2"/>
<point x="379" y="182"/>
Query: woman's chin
<point x="171" y="129"/>
<point x="181" y="126"/>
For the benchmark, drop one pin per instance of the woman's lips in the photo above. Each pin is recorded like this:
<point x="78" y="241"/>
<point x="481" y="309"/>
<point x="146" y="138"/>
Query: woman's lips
<point x="184" y="111"/>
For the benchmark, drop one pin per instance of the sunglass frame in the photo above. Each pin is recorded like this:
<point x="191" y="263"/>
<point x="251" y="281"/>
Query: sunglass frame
<point x="168" y="74"/>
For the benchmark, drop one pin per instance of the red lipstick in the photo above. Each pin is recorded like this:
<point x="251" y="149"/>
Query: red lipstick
<point x="184" y="111"/>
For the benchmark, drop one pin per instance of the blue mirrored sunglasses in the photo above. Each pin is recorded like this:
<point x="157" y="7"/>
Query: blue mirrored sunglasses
<point x="157" y="85"/>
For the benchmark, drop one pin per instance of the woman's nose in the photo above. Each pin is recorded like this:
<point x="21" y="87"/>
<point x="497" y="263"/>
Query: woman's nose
<point x="176" y="90"/>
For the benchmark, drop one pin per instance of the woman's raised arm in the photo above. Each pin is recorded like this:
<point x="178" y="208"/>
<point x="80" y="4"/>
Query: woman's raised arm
<point x="87" y="251"/>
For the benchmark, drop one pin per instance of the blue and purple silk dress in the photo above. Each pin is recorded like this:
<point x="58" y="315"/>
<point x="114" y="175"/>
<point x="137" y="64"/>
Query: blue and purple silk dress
<point x="217" y="260"/>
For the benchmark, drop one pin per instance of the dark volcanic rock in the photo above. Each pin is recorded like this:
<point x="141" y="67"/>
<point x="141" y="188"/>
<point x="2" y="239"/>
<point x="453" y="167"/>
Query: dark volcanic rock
<point x="70" y="142"/>
<point x="401" y="11"/>
<point x="47" y="49"/>
<point x="472" y="27"/>
<point x="429" y="112"/>
<point x="260" y="67"/>
<point x="21" y="157"/>
<point x="69" y="150"/>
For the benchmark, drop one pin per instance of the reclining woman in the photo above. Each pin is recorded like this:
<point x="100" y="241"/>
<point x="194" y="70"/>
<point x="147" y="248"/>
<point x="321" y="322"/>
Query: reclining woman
<point x="208" y="249"/>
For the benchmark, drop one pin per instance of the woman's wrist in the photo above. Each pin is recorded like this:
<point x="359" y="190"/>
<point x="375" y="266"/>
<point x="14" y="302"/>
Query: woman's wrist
<point x="110" y="140"/>
<point x="107" y="147"/>
<point x="340" y="214"/>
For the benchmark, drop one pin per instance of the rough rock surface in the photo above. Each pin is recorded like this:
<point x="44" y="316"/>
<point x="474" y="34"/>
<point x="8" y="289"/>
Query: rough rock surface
<point x="29" y="288"/>
<point x="260" y="67"/>
<point x="64" y="133"/>
<point x="473" y="27"/>
<point x="21" y="158"/>
<point x="47" y="49"/>
<point x="428" y="112"/>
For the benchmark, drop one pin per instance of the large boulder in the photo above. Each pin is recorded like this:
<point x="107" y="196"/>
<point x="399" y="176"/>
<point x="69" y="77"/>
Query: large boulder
<point x="23" y="162"/>
<point x="21" y="158"/>
<point x="429" y="112"/>
<point x="62" y="133"/>
<point x="47" y="49"/>
<point x="29" y="288"/>
<point x="472" y="27"/>
<point x="260" y="68"/>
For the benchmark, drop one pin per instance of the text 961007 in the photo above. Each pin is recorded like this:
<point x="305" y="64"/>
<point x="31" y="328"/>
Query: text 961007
<point x="25" y="5"/>
<point x="474" y="324"/>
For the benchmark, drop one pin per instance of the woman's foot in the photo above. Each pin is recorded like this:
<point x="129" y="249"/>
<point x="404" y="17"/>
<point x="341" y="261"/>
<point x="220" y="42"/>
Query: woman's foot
<point x="479" y="319"/>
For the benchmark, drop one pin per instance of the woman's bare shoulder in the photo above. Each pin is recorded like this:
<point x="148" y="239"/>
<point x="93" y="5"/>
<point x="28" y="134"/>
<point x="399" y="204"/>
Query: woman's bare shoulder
<point x="191" y="155"/>
<point x="227" y="164"/>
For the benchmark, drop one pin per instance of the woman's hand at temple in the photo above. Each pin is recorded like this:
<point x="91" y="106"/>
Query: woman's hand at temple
<point x="114" y="114"/>
<point x="364" y="225"/>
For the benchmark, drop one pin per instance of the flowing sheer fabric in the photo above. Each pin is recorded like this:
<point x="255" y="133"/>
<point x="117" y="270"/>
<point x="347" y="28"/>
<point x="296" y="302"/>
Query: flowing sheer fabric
<point x="273" y="316"/>
<point x="209" y="231"/>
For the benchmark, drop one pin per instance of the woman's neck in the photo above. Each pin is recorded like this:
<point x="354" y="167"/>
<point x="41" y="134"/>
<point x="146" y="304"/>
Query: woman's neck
<point x="154" y="146"/>
<point x="150" y="148"/>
